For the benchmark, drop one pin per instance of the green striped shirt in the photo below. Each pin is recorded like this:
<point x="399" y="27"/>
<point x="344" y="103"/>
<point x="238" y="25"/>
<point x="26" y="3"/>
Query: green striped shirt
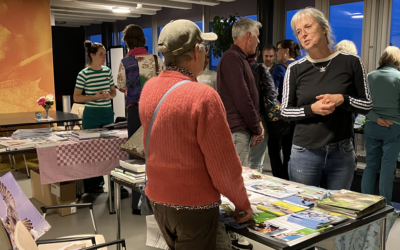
<point x="93" y="81"/>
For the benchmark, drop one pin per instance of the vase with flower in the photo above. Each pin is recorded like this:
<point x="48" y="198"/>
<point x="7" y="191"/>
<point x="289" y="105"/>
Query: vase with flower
<point x="46" y="102"/>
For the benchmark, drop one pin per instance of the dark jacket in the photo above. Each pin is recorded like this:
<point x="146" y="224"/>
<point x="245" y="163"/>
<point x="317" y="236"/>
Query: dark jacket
<point x="237" y="89"/>
<point x="265" y="85"/>
<point x="271" y="70"/>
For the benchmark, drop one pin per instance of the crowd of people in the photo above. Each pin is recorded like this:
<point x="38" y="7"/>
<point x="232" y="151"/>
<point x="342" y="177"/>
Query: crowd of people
<point x="300" y="109"/>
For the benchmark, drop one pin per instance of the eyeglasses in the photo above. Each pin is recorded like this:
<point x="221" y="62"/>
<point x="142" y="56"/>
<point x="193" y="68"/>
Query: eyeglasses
<point x="207" y="47"/>
<point x="307" y="29"/>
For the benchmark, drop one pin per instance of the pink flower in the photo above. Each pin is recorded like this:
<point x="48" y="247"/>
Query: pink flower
<point x="41" y="101"/>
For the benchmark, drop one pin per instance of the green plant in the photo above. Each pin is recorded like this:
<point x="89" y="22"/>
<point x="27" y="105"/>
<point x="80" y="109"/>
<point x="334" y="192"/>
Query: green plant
<point x="223" y="28"/>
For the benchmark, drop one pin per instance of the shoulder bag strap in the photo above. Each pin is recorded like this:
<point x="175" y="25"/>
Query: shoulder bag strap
<point x="156" y="62"/>
<point x="152" y="121"/>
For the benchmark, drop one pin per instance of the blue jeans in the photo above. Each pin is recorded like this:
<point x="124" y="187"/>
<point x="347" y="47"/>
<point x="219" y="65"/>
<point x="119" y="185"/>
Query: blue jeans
<point x="331" y="167"/>
<point x="383" y="147"/>
<point x="257" y="153"/>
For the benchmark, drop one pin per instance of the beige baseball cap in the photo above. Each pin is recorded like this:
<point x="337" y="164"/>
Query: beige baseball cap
<point x="182" y="35"/>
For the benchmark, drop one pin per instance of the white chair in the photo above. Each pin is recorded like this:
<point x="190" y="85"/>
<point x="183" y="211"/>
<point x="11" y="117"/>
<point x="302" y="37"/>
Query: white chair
<point x="76" y="109"/>
<point x="24" y="240"/>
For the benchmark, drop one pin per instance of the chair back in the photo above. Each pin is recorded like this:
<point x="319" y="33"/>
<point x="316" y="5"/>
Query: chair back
<point x="23" y="239"/>
<point x="5" y="242"/>
<point x="77" y="109"/>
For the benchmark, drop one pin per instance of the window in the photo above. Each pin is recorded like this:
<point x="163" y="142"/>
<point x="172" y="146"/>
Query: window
<point x="347" y="22"/>
<point x="289" y="31"/>
<point x="148" y="33"/>
<point x="395" y="26"/>
<point x="95" y="39"/>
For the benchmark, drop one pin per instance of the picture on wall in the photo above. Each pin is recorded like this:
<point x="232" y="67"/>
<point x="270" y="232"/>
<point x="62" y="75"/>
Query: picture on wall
<point x="26" y="58"/>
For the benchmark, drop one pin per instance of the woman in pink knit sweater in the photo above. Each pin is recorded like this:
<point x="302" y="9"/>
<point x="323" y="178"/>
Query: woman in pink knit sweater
<point x="191" y="159"/>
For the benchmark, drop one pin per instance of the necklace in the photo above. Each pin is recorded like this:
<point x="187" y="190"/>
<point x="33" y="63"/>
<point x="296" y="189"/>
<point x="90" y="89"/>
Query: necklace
<point x="322" y="69"/>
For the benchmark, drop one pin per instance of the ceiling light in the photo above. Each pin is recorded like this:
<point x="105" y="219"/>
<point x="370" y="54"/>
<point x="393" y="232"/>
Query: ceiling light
<point x="121" y="10"/>
<point x="139" y="6"/>
<point x="358" y="16"/>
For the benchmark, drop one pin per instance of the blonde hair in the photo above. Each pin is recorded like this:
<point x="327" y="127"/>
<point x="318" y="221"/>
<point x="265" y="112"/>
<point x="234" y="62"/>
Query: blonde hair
<point x="319" y="18"/>
<point x="391" y="55"/>
<point x="346" y="46"/>
<point x="244" y="25"/>
<point x="170" y="61"/>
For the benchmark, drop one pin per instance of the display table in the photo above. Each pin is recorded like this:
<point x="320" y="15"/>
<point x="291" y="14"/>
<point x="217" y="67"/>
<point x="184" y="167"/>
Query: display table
<point x="337" y="230"/>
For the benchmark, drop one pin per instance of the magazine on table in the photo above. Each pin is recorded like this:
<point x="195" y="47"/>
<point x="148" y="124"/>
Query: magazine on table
<point x="316" y="193"/>
<point x="226" y="215"/>
<point x="299" y="201"/>
<point x="352" y="204"/>
<point x="281" y="230"/>
<point x="250" y="175"/>
<point x="276" y="190"/>
<point x="274" y="206"/>
<point x="316" y="218"/>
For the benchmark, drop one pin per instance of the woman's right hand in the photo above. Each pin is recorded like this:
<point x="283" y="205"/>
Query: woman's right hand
<point x="319" y="108"/>
<point x="248" y="215"/>
<point x="383" y="122"/>
<point x="99" y="95"/>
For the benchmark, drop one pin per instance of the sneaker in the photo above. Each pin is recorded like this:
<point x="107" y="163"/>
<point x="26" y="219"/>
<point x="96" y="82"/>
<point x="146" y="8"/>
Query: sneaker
<point x="239" y="242"/>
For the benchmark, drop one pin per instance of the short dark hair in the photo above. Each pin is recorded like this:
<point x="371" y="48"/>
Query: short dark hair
<point x="294" y="48"/>
<point x="133" y="36"/>
<point x="91" y="48"/>
<point x="269" y="47"/>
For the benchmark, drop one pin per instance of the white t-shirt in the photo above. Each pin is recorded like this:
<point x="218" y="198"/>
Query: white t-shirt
<point x="209" y="78"/>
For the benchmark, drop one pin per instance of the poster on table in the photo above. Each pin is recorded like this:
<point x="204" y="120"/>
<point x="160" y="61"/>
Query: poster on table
<point x="15" y="206"/>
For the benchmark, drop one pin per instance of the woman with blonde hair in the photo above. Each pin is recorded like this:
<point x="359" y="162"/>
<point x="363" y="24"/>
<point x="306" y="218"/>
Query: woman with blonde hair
<point x="382" y="126"/>
<point x="346" y="46"/>
<point x="320" y="93"/>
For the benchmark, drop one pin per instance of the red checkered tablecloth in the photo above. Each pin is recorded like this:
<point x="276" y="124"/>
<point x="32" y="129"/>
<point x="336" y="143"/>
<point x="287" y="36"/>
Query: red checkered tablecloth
<point x="79" y="160"/>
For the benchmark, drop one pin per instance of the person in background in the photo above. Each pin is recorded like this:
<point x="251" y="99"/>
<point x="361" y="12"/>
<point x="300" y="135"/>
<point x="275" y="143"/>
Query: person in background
<point x="209" y="77"/>
<point x="346" y="46"/>
<point x="320" y="93"/>
<point x="269" y="52"/>
<point x="185" y="170"/>
<point x="95" y="87"/>
<point x="287" y="52"/>
<point x="134" y="71"/>
<point x="267" y="93"/>
<point x="382" y="125"/>
<point x="238" y="91"/>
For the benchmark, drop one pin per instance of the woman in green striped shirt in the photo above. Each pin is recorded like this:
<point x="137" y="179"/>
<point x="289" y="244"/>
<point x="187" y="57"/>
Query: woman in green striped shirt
<point x="97" y="82"/>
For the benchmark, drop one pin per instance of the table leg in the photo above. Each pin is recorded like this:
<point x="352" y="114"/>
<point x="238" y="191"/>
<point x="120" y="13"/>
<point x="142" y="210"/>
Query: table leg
<point x="383" y="233"/>
<point x="111" y="203"/>
<point x="117" y="199"/>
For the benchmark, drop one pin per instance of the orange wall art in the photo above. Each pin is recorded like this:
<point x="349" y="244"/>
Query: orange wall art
<point x="26" y="59"/>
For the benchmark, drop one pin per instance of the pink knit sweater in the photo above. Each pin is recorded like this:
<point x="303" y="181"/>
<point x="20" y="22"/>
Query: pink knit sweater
<point x="192" y="159"/>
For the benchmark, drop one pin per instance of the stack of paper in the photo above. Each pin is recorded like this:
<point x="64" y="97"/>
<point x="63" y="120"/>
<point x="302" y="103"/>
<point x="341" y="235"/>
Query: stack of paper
<point x="136" y="165"/>
<point x="11" y="145"/>
<point x="21" y="134"/>
<point x="352" y="204"/>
